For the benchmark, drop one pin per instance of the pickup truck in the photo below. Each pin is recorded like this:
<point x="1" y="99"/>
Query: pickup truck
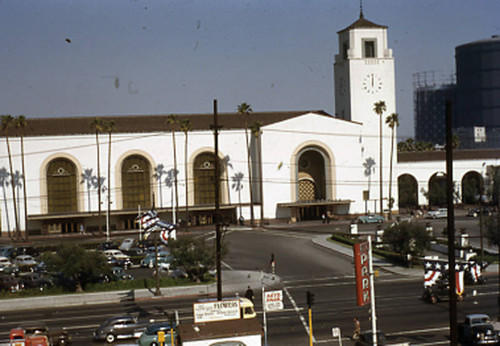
<point x="477" y="329"/>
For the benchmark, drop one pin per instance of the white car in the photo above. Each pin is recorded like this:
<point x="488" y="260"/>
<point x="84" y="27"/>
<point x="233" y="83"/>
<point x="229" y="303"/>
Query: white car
<point x="437" y="214"/>
<point x="115" y="253"/>
<point x="25" y="260"/>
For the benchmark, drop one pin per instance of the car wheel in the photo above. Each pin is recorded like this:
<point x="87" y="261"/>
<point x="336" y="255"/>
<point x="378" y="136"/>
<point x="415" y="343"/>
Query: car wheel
<point x="110" y="338"/>
<point x="153" y="344"/>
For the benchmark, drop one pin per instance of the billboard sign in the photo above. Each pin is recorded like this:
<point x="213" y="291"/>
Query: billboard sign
<point x="216" y="311"/>
<point x="273" y="300"/>
<point x="362" y="271"/>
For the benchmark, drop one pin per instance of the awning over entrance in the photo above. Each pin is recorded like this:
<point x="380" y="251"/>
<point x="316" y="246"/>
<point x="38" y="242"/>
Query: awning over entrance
<point x="315" y="209"/>
<point x="300" y="204"/>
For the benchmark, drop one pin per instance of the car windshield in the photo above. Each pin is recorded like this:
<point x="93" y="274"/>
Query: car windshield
<point x="155" y="327"/>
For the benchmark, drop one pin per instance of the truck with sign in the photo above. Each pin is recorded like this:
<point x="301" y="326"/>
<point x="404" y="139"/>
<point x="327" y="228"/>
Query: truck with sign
<point x="226" y="309"/>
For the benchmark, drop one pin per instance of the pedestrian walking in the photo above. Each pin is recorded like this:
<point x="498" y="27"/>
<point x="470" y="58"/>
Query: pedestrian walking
<point x="357" y="329"/>
<point x="249" y="294"/>
<point x="273" y="265"/>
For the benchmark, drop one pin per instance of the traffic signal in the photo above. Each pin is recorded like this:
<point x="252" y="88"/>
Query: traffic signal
<point x="310" y="298"/>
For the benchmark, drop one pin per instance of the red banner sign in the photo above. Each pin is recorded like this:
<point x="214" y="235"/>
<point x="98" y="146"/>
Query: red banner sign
<point x="361" y="266"/>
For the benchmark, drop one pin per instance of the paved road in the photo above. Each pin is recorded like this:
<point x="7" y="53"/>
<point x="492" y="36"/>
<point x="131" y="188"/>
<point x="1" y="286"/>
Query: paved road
<point x="302" y="266"/>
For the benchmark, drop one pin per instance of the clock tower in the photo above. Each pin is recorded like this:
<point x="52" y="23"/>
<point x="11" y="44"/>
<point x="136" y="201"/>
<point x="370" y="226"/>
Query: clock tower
<point x="363" y="74"/>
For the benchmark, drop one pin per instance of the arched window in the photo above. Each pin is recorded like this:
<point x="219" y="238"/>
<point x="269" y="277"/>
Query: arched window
<point x="61" y="186"/>
<point x="136" y="184"/>
<point x="204" y="179"/>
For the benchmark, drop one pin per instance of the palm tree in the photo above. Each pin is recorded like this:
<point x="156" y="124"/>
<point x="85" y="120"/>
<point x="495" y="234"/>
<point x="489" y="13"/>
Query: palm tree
<point x="379" y="109"/>
<point x="97" y="125"/>
<point x="21" y="124"/>
<point x="109" y="127"/>
<point x="237" y="185"/>
<point x="368" y="164"/>
<point x="4" y="182"/>
<point x="393" y="122"/>
<point x="172" y="120"/>
<point x="186" y="127"/>
<point x="7" y="122"/>
<point x="255" y="128"/>
<point x="158" y="176"/>
<point x="245" y="110"/>
<point x="87" y="177"/>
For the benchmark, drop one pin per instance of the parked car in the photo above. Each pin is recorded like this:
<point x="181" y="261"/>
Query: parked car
<point x="437" y="214"/>
<point x="371" y="218"/>
<point x="126" y="244"/>
<point x="7" y="267"/>
<point x="107" y="245"/>
<point x="150" y="335"/>
<point x="7" y="251"/>
<point x="36" y="280"/>
<point x="25" y="261"/>
<point x="164" y="259"/>
<point x="26" y="250"/>
<point x="477" y="330"/>
<point x="135" y="252"/>
<point x="117" y="258"/>
<point x="10" y="283"/>
<point x="120" y="274"/>
<point x="119" y="327"/>
<point x="475" y="212"/>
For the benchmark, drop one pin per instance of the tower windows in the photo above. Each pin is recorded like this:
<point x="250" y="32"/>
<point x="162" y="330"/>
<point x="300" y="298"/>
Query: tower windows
<point x="369" y="49"/>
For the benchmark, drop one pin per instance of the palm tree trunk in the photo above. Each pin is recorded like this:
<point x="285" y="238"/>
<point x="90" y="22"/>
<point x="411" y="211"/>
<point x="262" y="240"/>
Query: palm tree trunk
<point x="26" y="236"/>
<point x="98" y="185"/>
<point x="108" y="223"/>
<point x="381" y="170"/>
<point x="176" y="207"/>
<point x="13" y="187"/>
<point x="390" y="175"/>
<point x="261" y="180"/>
<point x="252" y="218"/>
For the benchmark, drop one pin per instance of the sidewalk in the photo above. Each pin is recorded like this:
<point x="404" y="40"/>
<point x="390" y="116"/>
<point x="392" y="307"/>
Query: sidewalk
<point x="377" y="262"/>
<point x="380" y="263"/>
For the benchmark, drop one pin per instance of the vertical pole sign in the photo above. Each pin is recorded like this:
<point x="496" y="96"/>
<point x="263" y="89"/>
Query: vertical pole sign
<point x="361" y="266"/>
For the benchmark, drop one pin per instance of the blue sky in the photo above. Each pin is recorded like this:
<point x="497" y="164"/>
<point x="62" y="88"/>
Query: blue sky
<point x="176" y="56"/>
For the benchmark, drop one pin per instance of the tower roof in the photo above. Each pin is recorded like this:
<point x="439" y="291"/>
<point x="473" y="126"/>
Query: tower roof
<point x="363" y="23"/>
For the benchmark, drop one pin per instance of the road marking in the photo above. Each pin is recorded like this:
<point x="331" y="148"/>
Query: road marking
<point x="297" y="310"/>
<point x="428" y="330"/>
<point x="226" y="265"/>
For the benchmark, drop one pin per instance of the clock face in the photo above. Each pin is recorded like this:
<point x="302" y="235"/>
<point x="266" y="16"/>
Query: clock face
<point x="372" y="83"/>
<point x="342" y="86"/>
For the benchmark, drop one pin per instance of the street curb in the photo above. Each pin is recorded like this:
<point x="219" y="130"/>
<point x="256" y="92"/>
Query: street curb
<point x="237" y="283"/>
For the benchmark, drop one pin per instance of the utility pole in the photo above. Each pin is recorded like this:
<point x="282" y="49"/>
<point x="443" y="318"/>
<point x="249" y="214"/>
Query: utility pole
<point x="215" y="128"/>
<point x="451" y="226"/>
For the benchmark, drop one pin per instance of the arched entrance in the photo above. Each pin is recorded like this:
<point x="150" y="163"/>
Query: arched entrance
<point x="437" y="190"/>
<point x="407" y="191"/>
<point x="311" y="173"/>
<point x="472" y="187"/>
